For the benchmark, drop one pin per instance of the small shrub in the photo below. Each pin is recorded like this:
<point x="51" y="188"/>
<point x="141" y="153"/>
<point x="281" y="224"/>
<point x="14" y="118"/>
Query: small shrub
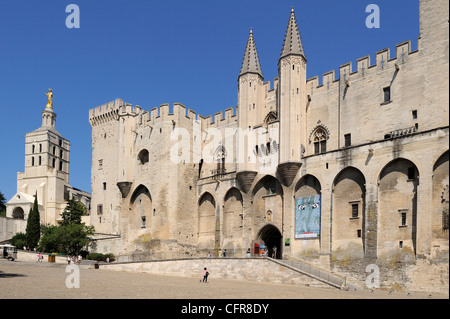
<point x="19" y="240"/>
<point x="100" y="257"/>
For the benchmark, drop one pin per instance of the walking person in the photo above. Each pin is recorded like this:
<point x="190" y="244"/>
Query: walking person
<point x="205" y="275"/>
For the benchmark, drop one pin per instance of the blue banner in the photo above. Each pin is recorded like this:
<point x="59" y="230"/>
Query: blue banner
<point x="307" y="217"/>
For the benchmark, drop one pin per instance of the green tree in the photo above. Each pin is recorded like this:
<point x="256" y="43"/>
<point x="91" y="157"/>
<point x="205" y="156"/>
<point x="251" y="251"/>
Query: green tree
<point x="72" y="213"/>
<point x="19" y="240"/>
<point x="68" y="239"/>
<point x="71" y="236"/>
<point x="33" y="230"/>
<point x="2" y="204"/>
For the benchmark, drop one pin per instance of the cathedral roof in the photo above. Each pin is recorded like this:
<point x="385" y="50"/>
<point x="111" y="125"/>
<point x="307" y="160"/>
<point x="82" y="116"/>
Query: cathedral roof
<point x="292" y="41"/>
<point x="251" y="61"/>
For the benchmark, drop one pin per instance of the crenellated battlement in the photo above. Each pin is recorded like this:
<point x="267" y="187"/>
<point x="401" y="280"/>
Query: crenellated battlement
<point x="105" y="112"/>
<point x="178" y="114"/>
<point x="383" y="61"/>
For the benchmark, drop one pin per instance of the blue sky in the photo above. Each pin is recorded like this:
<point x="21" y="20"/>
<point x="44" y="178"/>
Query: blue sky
<point x="153" y="52"/>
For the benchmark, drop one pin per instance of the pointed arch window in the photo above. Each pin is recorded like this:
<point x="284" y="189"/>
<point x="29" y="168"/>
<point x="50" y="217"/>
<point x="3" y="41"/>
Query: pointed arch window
<point x="219" y="157"/>
<point x="320" y="137"/>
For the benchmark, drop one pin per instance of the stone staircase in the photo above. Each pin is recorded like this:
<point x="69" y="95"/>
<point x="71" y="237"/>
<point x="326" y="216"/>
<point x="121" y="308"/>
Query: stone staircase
<point x="316" y="273"/>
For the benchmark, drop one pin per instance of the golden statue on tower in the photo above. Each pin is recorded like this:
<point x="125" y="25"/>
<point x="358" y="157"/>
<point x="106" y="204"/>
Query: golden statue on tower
<point x="49" y="99"/>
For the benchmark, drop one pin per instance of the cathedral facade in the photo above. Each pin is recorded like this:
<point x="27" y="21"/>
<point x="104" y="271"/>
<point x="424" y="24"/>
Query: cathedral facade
<point x="345" y="167"/>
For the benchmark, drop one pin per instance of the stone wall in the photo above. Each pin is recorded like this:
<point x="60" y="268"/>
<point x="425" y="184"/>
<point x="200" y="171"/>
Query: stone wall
<point x="10" y="226"/>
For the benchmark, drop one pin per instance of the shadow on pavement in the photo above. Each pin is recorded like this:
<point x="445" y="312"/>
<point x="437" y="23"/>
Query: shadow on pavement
<point x="4" y="275"/>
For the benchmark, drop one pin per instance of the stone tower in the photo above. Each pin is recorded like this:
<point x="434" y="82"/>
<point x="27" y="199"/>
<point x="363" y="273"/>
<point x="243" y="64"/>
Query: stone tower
<point x="292" y="92"/>
<point x="250" y="99"/>
<point x="46" y="174"/>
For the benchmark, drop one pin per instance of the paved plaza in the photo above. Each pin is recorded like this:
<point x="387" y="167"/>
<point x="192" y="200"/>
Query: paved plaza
<point x="33" y="280"/>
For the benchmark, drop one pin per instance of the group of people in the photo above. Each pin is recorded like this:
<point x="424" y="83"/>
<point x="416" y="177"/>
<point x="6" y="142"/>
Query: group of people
<point x="74" y="259"/>
<point x="221" y="253"/>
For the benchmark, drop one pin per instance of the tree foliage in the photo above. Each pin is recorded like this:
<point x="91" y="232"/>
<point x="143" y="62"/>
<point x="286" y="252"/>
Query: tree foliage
<point x="71" y="236"/>
<point x="2" y="204"/>
<point x="33" y="230"/>
<point x="19" y="240"/>
<point x="72" y="213"/>
<point x="68" y="239"/>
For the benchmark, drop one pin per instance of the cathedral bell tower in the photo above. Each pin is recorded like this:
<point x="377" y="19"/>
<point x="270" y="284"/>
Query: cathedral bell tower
<point x="46" y="166"/>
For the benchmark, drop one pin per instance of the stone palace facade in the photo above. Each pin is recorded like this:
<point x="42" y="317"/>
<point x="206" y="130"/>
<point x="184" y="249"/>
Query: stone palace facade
<point x="336" y="170"/>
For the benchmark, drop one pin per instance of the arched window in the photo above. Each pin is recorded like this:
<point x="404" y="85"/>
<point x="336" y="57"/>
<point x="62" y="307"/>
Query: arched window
<point x="143" y="156"/>
<point x="320" y="137"/>
<point x="219" y="157"/>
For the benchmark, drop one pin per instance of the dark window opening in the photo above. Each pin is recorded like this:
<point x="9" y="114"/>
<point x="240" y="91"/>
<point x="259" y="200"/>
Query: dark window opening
<point x="414" y="114"/>
<point x="387" y="94"/>
<point x="143" y="156"/>
<point x="355" y="210"/>
<point x="403" y="219"/>
<point x="348" y="140"/>
<point x="271" y="187"/>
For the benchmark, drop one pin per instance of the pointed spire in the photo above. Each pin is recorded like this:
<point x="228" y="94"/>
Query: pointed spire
<point x="251" y="61"/>
<point x="292" y="42"/>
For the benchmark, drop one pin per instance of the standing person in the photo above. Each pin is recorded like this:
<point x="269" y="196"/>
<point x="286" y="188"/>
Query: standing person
<point x="205" y="275"/>
<point x="209" y="254"/>
<point x="68" y="260"/>
<point x="248" y="253"/>
<point x="274" y="253"/>
<point x="224" y="253"/>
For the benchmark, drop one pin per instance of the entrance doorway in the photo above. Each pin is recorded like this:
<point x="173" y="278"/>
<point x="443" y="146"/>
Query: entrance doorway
<point x="271" y="237"/>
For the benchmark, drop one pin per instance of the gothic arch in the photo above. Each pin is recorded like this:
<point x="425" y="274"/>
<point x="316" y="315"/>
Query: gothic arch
<point x="207" y="223"/>
<point x="271" y="236"/>
<point x="307" y="185"/>
<point x="267" y="201"/>
<point x="272" y="185"/>
<point x="348" y="210"/>
<point x="232" y="221"/>
<point x="270" y="117"/>
<point x="397" y="206"/>
<point x="141" y="189"/>
<point x="318" y="138"/>
<point x="141" y="209"/>
<point x="440" y="198"/>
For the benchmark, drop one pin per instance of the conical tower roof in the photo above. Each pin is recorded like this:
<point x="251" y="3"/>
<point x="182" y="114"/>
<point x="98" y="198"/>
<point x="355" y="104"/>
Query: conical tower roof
<point x="251" y="61"/>
<point x="292" y="41"/>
